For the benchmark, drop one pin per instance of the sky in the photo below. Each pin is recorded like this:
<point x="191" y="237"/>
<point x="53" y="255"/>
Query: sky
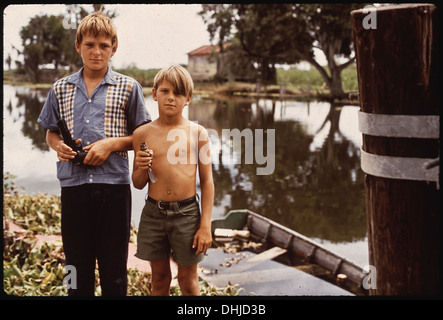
<point x="150" y="35"/>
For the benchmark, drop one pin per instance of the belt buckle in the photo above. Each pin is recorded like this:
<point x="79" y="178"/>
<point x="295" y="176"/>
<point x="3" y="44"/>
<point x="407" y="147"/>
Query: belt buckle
<point x="161" y="208"/>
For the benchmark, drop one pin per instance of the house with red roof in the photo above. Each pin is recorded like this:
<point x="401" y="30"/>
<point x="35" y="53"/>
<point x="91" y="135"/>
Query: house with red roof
<point x="202" y="62"/>
<point x="206" y="62"/>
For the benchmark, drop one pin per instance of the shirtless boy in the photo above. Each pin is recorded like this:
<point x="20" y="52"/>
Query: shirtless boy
<point x="172" y="221"/>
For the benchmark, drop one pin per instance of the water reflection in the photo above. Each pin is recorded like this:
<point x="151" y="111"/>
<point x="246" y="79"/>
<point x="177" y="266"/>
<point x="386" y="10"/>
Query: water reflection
<point x="27" y="106"/>
<point x="316" y="187"/>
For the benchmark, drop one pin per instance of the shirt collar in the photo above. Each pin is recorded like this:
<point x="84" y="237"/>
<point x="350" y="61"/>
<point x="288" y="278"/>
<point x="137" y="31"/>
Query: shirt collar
<point x="77" y="77"/>
<point x="110" y="77"/>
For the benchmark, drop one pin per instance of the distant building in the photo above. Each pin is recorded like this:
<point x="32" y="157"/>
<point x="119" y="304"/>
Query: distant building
<point x="202" y="64"/>
<point x="206" y="63"/>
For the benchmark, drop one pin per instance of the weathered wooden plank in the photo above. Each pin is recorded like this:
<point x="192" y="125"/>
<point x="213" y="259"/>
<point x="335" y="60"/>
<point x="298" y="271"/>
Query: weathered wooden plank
<point x="267" y="255"/>
<point x="231" y="233"/>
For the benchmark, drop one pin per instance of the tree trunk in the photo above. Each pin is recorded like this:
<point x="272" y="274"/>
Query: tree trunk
<point x="397" y="74"/>
<point x="333" y="81"/>
<point x="335" y="84"/>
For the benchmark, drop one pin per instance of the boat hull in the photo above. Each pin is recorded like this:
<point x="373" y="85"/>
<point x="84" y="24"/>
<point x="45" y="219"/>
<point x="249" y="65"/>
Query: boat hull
<point x="298" y="246"/>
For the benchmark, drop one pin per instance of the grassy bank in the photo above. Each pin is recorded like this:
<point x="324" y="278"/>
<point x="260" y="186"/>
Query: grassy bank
<point x="297" y="83"/>
<point x="294" y="79"/>
<point x="37" y="269"/>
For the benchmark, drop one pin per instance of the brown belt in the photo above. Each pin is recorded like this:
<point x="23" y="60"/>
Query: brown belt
<point x="170" y="204"/>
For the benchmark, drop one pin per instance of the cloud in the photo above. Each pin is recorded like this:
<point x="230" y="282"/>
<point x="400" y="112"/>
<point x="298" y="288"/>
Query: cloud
<point x="162" y="34"/>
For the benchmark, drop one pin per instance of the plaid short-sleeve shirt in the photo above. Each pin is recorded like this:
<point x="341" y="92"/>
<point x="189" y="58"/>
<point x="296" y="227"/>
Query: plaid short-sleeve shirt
<point x="115" y="109"/>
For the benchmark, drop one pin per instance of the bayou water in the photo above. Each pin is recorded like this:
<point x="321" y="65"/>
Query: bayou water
<point x="316" y="187"/>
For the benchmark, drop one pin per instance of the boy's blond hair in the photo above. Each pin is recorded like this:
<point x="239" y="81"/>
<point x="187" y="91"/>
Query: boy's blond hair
<point x="179" y="77"/>
<point x="97" y="24"/>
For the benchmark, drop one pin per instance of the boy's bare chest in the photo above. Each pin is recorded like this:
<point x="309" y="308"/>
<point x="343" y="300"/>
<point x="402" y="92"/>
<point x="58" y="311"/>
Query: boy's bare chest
<point x="177" y="145"/>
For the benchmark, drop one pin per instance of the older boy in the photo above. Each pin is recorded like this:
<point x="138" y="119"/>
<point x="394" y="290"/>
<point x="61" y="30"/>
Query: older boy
<point x="101" y="109"/>
<point x="171" y="219"/>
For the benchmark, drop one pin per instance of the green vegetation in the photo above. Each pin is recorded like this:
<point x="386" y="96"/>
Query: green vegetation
<point x="296" y="81"/>
<point x="295" y="78"/>
<point x="272" y="34"/>
<point x="144" y="77"/>
<point x="38" y="270"/>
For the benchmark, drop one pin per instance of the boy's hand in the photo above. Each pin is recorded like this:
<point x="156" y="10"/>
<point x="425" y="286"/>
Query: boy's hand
<point x="64" y="152"/>
<point x="202" y="240"/>
<point x="99" y="151"/>
<point x="144" y="159"/>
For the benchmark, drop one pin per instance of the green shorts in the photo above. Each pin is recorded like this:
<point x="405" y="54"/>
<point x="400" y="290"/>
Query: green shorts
<point x="169" y="230"/>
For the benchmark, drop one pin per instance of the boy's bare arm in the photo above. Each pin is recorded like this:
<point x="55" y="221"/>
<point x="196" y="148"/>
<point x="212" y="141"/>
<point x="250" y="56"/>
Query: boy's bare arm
<point x="100" y="150"/>
<point x="141" y="160"/>
<point x="64" y="152"/>
<point x="203" y="237"/>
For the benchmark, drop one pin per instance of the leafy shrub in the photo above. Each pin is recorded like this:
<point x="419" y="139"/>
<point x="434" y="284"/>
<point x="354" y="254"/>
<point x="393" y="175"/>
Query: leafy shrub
<point x="31" y="270"/>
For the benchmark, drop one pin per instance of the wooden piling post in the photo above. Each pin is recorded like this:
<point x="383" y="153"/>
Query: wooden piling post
<point x="397" y="65"/>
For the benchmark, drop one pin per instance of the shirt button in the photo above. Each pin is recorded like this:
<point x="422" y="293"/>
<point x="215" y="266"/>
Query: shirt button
<point x="91" y="175"/>
<point x="88" y="143"/>
<point x="89" y="100"/>
<point x="87" y="121"/>
<point x="90" y="180"/>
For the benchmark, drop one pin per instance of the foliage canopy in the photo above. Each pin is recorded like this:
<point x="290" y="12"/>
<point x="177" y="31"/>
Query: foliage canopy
<point x="286" y="33"/>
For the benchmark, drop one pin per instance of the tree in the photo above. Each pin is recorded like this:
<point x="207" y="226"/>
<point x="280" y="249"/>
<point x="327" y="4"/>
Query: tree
<point x="33" y="39"/>
<point x="258" y="30"/>
<point x="233" y="64"/>
<point x="330" y="30"/>
<point x="286" y="33"/>
<point x="262" y="31"/>
<point x="9" y="61"/>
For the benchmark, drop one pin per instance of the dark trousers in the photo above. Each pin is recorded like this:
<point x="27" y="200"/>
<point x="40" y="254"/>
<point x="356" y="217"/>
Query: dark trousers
<point x="95" y="226"/>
